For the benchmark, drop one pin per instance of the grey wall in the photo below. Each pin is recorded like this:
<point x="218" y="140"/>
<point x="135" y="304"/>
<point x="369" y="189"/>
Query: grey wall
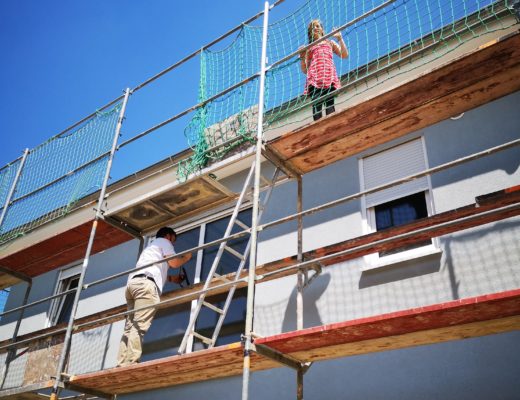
<point x="91" y="350"/>
<point x="477" y="261"/>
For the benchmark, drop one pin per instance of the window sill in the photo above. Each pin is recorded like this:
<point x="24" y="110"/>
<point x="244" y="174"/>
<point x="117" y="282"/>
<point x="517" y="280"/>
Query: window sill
<point x="373" y="262"/>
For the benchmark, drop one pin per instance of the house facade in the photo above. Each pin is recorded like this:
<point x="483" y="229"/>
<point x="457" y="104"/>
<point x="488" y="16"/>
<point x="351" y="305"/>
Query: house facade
<point x="387" y="261"/>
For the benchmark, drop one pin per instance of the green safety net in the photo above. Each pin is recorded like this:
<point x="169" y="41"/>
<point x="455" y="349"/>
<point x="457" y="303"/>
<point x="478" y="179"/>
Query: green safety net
<point x="400" y="36"/>
<point x="58" y="173"/>
<point x="229" y="120"/>
<point x="7" y="177"/>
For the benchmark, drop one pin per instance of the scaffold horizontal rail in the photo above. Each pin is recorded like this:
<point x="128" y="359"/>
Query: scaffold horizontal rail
<point x="498" y="205"/>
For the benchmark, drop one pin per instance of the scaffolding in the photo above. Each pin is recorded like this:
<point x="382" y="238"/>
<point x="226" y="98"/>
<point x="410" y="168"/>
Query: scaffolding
<point x="293" y="163"/>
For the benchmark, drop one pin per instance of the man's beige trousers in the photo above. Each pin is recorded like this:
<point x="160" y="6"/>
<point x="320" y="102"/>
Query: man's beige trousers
<point x="140" y="292"/>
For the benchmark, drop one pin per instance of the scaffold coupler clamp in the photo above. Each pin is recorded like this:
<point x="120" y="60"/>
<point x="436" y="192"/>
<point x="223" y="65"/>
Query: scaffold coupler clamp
<point x="246" y="341"/>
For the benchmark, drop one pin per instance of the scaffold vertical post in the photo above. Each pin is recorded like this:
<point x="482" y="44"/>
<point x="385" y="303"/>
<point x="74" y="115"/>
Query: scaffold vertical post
<point x="13" y="186"/>
<point x="98" y="216"/>
<point x="299" y="295"/>
<point x="299" y="384"/>
<point x="256" y="201"/>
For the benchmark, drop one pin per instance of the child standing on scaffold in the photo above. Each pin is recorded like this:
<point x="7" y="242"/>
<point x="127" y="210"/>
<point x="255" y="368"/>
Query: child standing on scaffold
<point x="317" y="62"/>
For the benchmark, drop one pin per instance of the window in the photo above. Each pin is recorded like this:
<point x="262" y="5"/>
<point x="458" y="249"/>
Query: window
<point x="4" y="294"/>
<point x="160" y="338"/>
<point x="399" y="204"/>
<point x="61" y="307"/>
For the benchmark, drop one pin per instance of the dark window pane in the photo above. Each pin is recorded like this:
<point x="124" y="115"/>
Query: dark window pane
<point x="68" y="300"/>
<point x="228" y="262"/>
<point x="234" y="321"/>
<point x="399" y="212"/>
<point x="186" y="240"/>
<point x="383" y="219"/>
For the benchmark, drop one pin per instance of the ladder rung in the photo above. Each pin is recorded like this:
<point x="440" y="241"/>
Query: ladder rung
<point x="222" y="278"/>
<point x="234" y="252"/>
<point x="214" y="308"/>
<point x="241" y="224"/>
<point x="203" y="338"/>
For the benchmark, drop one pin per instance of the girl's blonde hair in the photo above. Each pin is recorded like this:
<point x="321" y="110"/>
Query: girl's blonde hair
<point x="310" y="29"/>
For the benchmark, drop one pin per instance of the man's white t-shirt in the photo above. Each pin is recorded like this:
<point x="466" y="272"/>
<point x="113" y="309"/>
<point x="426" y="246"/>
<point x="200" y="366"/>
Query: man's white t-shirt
<point x="155" y="251"/>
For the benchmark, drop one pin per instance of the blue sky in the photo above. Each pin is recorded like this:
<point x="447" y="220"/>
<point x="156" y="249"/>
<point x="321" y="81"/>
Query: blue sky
<point x="62" y="59"/>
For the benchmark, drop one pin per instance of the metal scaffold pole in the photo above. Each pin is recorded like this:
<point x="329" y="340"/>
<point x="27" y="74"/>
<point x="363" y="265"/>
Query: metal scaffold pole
<point x="300" y="284"/>
<point x="254" y="227"/>
<point x="299" y="298"/>
<point x="98" y="216"/>
<point x="29" y="282"/>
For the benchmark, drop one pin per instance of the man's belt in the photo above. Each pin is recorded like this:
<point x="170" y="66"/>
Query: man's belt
<point x="143" y="276"/>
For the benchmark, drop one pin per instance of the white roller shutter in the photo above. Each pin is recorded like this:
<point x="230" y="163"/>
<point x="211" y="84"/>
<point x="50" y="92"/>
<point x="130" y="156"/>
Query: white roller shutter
<point x="389" y="165"/>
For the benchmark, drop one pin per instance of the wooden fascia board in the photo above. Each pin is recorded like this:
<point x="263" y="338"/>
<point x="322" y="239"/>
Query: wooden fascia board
<point x="217" y="362"/>
<point x="63" y="249"/>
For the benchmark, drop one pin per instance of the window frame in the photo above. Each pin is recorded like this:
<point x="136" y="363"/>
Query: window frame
<point x="374" y="260"/>
<point x="65" y="276"/>
<point x="201" y="224"/>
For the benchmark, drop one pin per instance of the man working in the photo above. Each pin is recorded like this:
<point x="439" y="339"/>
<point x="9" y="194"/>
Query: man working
<point x="143" y="289"/>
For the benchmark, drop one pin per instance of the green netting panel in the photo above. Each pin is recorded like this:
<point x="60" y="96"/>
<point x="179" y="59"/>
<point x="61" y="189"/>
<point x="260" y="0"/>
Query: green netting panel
<point x="58" y="173"/>
<point x="405" y="34"/>
<point x="7" y="177"/>
<point x="228" y="121"/>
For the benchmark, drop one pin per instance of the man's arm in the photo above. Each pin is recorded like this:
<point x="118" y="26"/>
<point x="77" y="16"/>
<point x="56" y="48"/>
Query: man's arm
<point x="179" y="261"/>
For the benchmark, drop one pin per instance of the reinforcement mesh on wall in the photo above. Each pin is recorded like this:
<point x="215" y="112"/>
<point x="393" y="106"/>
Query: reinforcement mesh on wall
<point x="402" y="34"/>
<point x="58" y="173"/>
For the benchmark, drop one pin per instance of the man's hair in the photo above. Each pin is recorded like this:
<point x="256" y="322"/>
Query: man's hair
<point x="165" y="230"/>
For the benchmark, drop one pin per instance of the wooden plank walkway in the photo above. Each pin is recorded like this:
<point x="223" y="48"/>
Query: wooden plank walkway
<point x="453" y="320"/>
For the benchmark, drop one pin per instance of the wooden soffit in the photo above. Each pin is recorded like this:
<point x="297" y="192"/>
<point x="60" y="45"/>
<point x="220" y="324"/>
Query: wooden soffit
<point x="181" y="201"/>
<point x="489" y="72"/>
<point x="60" y="250"/>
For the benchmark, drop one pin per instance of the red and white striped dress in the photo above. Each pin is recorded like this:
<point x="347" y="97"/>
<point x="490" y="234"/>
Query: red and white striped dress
<point x="321" y="71"/>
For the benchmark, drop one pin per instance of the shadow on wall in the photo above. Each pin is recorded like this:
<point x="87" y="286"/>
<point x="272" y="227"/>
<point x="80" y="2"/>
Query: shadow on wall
<point x="486" y="126"/>
<point x="400" y="271"/>
<point x="483" y="254"/>
<point x="311" y="295"/>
